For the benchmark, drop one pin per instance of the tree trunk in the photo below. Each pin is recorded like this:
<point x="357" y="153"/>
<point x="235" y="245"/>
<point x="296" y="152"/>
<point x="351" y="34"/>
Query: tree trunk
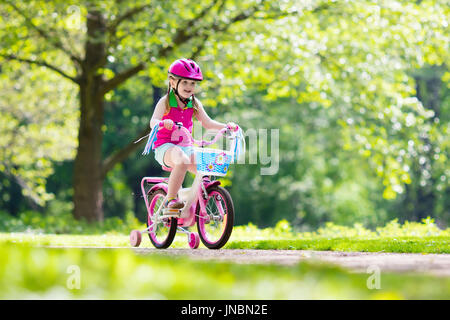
<point x="88" y="179"/>
<point x="428" y="88"/>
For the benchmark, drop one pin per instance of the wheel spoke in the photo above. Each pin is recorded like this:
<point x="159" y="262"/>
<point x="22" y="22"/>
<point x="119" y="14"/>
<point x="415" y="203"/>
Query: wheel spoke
<point x="216" y="210"/>
<point x="161" y="231"/>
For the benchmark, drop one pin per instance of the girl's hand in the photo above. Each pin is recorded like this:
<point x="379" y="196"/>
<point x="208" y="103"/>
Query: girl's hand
<point x="168" y="124"/>
<point x="232" y="126"/>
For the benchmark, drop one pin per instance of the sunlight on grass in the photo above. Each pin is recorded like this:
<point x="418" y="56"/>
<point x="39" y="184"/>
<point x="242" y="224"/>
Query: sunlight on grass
<point x="416" y="237"/>
<point x="32" y="270"/>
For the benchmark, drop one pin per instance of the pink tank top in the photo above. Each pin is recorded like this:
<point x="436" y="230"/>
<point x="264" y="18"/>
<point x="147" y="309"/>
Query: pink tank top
<point x="176" y="114"/>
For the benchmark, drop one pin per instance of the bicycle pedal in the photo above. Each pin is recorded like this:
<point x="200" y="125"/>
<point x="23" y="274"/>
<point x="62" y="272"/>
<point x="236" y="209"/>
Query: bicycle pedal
<point x="168" y="212"/>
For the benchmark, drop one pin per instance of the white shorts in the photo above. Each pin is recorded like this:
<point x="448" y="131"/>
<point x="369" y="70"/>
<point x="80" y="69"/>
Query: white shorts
<point x="161" y="151"/>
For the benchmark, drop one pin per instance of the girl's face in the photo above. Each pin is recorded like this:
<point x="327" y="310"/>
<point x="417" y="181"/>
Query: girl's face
<point x="185" y="88"/>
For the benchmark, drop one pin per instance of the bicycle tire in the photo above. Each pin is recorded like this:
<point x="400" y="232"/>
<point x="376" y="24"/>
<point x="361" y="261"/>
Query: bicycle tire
<point x="226" y="233"/>
<point x="172" y="228"/>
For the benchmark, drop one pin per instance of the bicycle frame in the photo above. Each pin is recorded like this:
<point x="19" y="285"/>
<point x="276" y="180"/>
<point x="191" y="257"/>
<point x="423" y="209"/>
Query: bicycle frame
<point x="199" y="186"/>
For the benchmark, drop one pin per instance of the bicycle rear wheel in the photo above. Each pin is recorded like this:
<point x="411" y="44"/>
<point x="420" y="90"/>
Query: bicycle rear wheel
<point x="163" y="230"/>
<point x="215" y="226"/>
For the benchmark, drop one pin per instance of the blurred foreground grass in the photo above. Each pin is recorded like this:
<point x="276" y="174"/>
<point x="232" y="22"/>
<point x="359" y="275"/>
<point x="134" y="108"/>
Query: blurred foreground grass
<point x="28" y="272"/>
<point x="31" y="270"/>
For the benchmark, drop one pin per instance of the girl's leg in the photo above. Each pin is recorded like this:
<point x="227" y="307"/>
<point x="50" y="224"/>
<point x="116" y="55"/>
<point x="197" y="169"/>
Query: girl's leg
<point x="179" y="163"/>
<point x="193" y="165"/>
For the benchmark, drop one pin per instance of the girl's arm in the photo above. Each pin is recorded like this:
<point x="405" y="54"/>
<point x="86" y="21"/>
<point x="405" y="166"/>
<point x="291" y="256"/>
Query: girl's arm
<point x="160" y="108"/>
<point x="205" y="120"/>
<point x="158" y="113"/>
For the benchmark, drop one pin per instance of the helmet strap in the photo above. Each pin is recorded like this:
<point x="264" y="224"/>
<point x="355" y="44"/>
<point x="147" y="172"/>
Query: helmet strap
<point x="183" y="100"/>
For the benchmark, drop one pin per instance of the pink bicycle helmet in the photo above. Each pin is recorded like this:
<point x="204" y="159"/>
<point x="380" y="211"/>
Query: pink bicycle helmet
<point x="186" y="68"/>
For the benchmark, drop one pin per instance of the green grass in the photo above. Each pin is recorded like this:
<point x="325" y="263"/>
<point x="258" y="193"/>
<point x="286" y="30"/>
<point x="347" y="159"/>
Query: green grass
<point x="437" y="244"/>
<point x="31" y="270"/>
<point x="28" y="272"/>
<point x="401" y="244"/>
<point x="410" y="237"/>
<point x="68" y="240"/>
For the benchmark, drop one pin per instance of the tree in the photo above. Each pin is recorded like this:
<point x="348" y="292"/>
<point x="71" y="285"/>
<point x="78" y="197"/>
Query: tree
<point x="92" y="35"/>
<point x="352" y="57"/>
<point x="355" y="58"/>
<point x="38" y="121"/>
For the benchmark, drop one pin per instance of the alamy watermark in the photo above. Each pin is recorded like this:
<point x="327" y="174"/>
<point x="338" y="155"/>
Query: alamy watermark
<point x="74" y="280"/>
<point x="262" y="146"/>
<point x="374" y="280"/>
<point x="73" y="21"/>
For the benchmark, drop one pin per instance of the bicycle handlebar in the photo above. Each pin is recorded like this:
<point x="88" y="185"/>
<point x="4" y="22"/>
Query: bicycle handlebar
<point x="237" y="136"/>
<point x="201" y="143"/>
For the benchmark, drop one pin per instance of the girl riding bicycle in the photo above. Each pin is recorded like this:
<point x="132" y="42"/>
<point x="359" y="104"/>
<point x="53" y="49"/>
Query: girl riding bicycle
<point x="180" y="105"/>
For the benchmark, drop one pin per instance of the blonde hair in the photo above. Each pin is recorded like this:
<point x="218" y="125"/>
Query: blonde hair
<point x="167" y="102"/>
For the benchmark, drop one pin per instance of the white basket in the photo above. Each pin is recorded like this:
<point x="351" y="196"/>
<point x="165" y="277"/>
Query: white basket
<point x="213" y="161"/>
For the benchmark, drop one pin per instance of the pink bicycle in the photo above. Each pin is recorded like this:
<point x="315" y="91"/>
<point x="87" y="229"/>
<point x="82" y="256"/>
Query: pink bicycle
<point x="206" y="203"/>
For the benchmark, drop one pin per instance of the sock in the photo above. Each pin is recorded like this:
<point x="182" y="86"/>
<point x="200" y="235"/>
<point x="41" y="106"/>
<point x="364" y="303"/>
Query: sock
<point x="169" y="199"/>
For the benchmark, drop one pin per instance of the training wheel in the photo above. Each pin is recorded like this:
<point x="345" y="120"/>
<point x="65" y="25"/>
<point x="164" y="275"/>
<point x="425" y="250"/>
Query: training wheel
<point x="193" y="240"/>
<point x="135" y="238"/>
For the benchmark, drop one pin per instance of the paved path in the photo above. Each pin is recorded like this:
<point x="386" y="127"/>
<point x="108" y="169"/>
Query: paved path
<point x="436" y="264"/>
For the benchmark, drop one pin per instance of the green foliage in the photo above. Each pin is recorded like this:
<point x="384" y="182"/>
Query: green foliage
<point x="39" y="273"/>
<point x="424" y="237"/>
<point x="320" y="179"/>
<point x="38" y="122"/>
<point x="283" y="230"/>
<point x="352" y="59"/>
<point x="412" y="229"/>
<point x="358" y="89"/>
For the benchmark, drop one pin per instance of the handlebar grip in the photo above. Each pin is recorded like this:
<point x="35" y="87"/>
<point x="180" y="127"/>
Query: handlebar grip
<point x="229" y="128"/>
<point x="178" y="124"/>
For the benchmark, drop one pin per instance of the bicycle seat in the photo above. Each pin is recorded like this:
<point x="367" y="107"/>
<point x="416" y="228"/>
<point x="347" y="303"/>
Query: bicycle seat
<point x="166" y="169"/>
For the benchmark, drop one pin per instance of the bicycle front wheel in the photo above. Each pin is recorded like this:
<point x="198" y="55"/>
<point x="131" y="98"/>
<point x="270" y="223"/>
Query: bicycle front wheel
<point x="216" y="224"/>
